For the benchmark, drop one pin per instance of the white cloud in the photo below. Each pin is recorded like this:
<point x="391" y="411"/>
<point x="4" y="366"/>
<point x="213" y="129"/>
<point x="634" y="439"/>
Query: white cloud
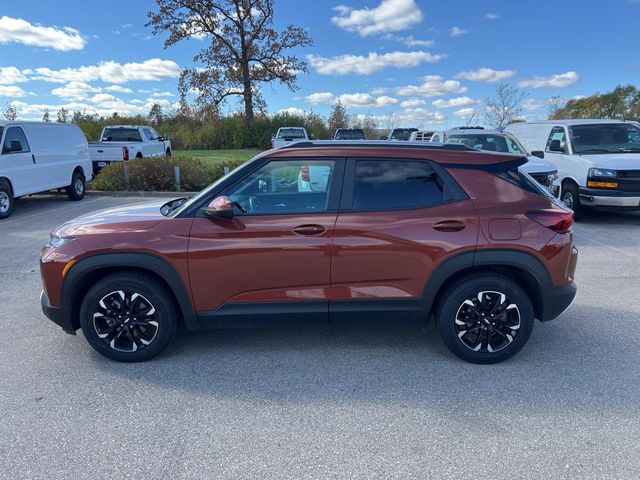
<point x="361" y="100"/>
<point x="410" y="41"/>
<point x="389" y="16"/>
<point x="492" y="16"/>
<point x="111" y="72"/>
<point x="418" y="116"/>
<point x="532" y="104"/>
<point x="458" y="32"/>
<point x="454" y="102"/>
<point x="554" y="81"/>
<point x="486" y="74"/>
<point x="412" y="103"/>
<point x="379" y="90"/>
<point x="432" y="86"/>
<point x="20" y="31"/>
<point x="11" y="75"/>
<point x="294" y="111"/>
<point x="356" y="100"/>
<point x="321" y="97"/>
<point x="465" y="113"/>
<point x="74" y="91"/>
<point x="118" y="89"/>
<point x="11" y="91"/>
<point x="345" y="64"/>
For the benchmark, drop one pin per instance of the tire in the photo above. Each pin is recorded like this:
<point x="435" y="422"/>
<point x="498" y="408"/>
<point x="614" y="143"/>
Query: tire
<point x="104" y="317"/>
<point x="6" y="200"/>
<point x="78" y="187"/>
<point x="571" y="199"/>
<point x="468" y="306"/>
<point x="168" y="152"/>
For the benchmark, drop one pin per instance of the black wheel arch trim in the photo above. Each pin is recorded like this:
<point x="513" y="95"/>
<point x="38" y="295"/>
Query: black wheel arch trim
<point x="138" y="260"/>
<point x="479" y="258"/>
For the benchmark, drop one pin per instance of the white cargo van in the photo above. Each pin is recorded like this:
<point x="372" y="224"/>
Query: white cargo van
<point x="598" y="160"/>
<point x="36" y="157"/>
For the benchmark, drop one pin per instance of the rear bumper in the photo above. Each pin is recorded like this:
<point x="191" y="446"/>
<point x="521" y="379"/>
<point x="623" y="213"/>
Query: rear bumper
<point x="613" y="198"/>
<point x="61" y="316"/>
<point x="556" y="299"/>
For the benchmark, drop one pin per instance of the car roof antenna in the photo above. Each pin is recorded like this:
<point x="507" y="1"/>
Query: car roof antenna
<point x="466" y="127"/>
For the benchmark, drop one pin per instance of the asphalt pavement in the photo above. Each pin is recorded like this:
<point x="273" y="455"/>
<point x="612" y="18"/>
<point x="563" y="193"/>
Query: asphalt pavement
<point x="323" y="402"/>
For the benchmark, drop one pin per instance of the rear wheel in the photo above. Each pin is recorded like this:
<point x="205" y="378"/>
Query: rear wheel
<point x="485" y="319"/>
<point x="78" y="187"/>
<point x="571" y="199"/>
<point x="168" y="153"/>
<point x="6" y="200"/>
<point x="128" y="317"/>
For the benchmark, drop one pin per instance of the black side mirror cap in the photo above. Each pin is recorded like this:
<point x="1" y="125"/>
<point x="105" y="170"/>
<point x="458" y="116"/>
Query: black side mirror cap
<point x="555" y="146"/>
<point x="538" y="153"/>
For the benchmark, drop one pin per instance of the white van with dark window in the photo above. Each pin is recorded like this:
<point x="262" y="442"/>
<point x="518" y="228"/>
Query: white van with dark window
<point x="36" y="157"/>
<point x="598" y="160"/>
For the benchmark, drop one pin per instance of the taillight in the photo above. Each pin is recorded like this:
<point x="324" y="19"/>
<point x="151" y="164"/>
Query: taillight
<point x="125" y="153"/>
<point x="559" y="221"/>
<point x="304" y="174"/>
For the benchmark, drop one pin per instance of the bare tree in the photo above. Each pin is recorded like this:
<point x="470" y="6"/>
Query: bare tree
<point x="45" y="115"/>
<point x="553" y="105"/>
<point x="504" y="106"/>
<point x="338" y="118"/>
<point x="63" y="115"/>
<point x="244" y="49"/>
<point x="367" y="123"/>
<point x="155" y="114"/>
<point x="10" y="113"/>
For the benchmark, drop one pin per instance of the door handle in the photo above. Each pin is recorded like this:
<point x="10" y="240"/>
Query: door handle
<point x="309" y="230"/>
<point x="33" y="157"/>
<point x="449" y="226"/>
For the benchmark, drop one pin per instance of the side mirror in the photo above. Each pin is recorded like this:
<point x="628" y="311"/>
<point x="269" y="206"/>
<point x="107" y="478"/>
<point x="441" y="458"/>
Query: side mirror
<point x="555" y="146"/>
<point x="220" y="207"/>
<point x="538" y="153"/>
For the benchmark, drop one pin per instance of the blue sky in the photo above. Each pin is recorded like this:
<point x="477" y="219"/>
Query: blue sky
<point x="420" y="62"/>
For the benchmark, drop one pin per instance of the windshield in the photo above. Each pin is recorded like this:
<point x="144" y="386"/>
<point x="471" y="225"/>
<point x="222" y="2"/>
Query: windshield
<point x="349" y="135"/>
<point x="605" y="138"/>
<point x="291" y="133"/>
<point x="121" y="135"/>
<point x="402" y="133"/>
<point x="503" y="143"/>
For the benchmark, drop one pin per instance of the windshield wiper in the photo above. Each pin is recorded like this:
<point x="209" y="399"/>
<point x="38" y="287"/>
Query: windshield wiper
<point x="630" y="150"/>
<point x="597" y="150"/>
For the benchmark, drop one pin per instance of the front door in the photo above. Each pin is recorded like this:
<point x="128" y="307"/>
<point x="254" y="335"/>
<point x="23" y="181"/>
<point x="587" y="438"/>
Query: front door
<point x="17" y="161"/>
<point x="274" y="255"/>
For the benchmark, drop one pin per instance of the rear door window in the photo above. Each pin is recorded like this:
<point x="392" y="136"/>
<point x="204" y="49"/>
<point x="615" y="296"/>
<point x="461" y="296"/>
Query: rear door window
<point x="395" y="184"/>
<point x="15" y="141"/>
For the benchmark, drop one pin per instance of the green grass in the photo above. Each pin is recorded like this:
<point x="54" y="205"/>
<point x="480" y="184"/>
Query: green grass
<point x="215" y="156"/>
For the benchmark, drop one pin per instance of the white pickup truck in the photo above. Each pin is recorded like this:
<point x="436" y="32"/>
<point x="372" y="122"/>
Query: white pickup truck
<point x="126" y="142"/>
<point x="286" y="135"/>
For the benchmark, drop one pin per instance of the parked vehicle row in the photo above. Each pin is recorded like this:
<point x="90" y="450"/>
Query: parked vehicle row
<point x="37" y="157"/>
<point x="126" y="142"/>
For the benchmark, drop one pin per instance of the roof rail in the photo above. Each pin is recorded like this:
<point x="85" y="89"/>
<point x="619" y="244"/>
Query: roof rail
<point x="378" y="143"/>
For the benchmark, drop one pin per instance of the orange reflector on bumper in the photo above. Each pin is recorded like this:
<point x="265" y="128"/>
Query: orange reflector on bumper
<point x="591" y="183"/>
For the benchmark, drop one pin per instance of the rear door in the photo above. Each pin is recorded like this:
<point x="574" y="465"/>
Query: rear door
<point x="398" y="219"/>
<point x="274" y="256"/>
<point x="18" y="162"/>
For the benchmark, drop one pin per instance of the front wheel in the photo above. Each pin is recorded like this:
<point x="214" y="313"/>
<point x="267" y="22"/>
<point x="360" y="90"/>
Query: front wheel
<point x="6" y="200"/>
<point x="128" y="317"/>
<point x="78" y="187"/>
<point x="485" y="319"/>
<point x="571" y="199"/>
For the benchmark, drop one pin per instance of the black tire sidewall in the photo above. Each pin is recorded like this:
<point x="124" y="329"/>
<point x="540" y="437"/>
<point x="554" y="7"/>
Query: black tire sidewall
<point x="150" y="289"/>
<point x="577" y="207"/>
<point x="4" y="187"/>
<point x="456" y="295"/>
<point x="71" y="189"/>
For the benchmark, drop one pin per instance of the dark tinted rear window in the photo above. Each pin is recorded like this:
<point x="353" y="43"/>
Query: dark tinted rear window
<point x="121" y="135"/>
<point x="350" y="135"/>
<point x="389" y="185"/>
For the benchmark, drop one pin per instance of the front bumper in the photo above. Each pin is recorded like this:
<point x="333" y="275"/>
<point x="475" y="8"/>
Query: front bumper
<point x="613" y="198"/>
<point x="58" y="315"/>
<point x="556" y="299"/>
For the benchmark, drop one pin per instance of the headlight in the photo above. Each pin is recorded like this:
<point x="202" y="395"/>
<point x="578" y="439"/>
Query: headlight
<point x="552" y="177"/>
<point x="602" y="172"/>
<point x="57" y="242"/>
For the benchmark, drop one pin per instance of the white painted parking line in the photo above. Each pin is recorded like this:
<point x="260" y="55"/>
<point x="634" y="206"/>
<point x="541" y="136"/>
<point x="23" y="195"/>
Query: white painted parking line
<point x="46" y="212"/>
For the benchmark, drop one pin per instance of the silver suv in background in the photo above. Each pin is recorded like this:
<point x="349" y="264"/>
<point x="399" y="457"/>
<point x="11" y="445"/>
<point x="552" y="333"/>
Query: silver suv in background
<point x="542" y="170"/>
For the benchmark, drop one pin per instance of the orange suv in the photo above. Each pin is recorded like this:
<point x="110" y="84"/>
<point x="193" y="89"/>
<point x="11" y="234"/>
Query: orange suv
<point x="322" y="232"/>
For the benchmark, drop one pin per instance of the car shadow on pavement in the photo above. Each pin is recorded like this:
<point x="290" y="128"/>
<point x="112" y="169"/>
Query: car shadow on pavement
<point x="576" y="363"/>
